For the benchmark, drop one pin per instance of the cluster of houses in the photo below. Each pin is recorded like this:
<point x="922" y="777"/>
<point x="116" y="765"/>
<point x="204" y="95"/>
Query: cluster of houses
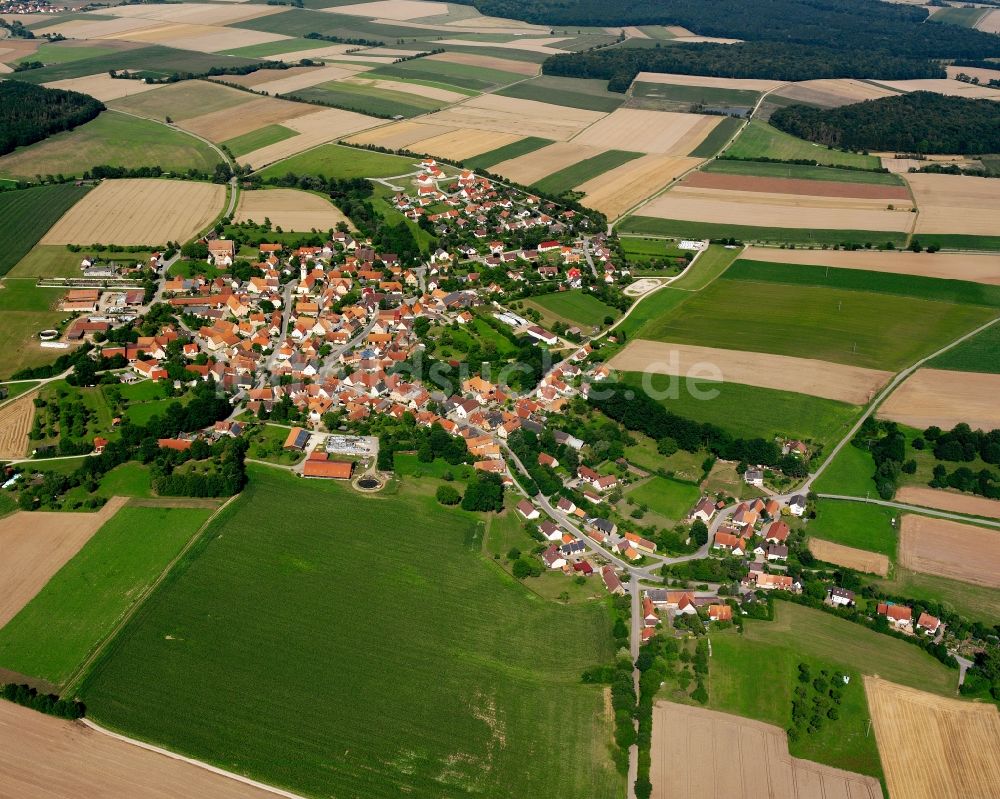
<point x="660" y="604"/>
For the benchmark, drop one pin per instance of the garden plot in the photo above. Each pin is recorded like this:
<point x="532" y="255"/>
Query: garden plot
<point x="641" y="131"/>
<point x="622" y="188"/>
<point x="840" y="555"/>
<point x="949" y="500"/>
<point x="898" y="195"/>
<point x="521" y="117"/>
<point x="228" y="123"/>
<point x="852" y="384"/>
<point x="943" y="398"/>
<point x="103" y="86"/>
<point x="313" y="129"/>
<point x="704" y="81"/>
<point x="139" y="212"/>
<point x="956" y="204"/>
<point x="530" y="168"/>
<point x="289" y="209"/>
<point x="487" y="62"/>
<point x="950" y="549"/>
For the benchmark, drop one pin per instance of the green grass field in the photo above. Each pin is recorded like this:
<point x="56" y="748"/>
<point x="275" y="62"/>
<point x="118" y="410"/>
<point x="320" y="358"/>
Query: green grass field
<point x="573" y="307"/>
<point x="981" y="353"/>
<point x="463" y="76"/>
<point x="975" y="602"/>
<point x="26" y="214"/>
<point x="958" y="241"/>
<point x="683" y="95"/>
<point x="881" y="331"/>
<point x="650" y="309"/>
<point x="368" y="99"/>
<point x="765" y="169"/>
<point x="265" y="49"/>
<point x="334" y="160"/>
<point x="255" y="139"/>
<point x="381" y="635"/>
<point x="56" y="260"/>
<point x="650" y="225"/>
<point x="760" y="140"/>
<point x="855" y="524"/>
<point x="508" y="151"/>
<point x="966" y="17"/>
<point x="24" y="310"/>
<point x="60" y="53"/>
<point x="78" y="607"/>
<point x="749" y="411"/>
<point x="717" y="138"/>
<point x="591" y="95"/>
<point x="183" y="100"/>
<point x="709" y="265"/>
<point x="849" y="474"/>
<point x="565" y="179"/>
<point x="668" y="499"/>
<point x="112" y="139"/>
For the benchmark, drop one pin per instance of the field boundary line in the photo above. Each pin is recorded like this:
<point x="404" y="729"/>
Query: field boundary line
<point x="198" y="763"/>
<point x="73" y="681"/>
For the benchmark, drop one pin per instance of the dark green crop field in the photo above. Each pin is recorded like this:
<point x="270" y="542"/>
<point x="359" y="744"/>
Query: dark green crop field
<point x="27" y="214"/>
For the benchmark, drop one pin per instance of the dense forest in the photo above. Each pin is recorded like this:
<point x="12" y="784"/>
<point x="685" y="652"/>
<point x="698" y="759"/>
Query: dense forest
<point x="31" y="113"/>
<point x="920" y="122"/>
<point x="620" y="65"/>
<point x="857" y="25"/>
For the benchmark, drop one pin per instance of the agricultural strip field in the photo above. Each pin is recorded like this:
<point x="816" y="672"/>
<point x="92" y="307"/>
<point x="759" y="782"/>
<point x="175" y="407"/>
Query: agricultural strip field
<point x="367" y="99"/>
<point x="26" y="215"/>
<point x="950" y="549"/>
<point x="536" y="166"/>
<point x="931" y="746"/>
<point x="574" y="307"/>
<point x="649" y="225"/>
<point x="255" y="139"/>
<point x="766" y="169"/>
<point x="79" y="606"/>
<point x="801" y="186"/>
<point x="949" y="500"/>
<point x="464" y="76"/>
<point x="712" y="755"/>
<point x="943" y="398"/>
<point x="850" y="384"/>
<point x="977" y="354"/>
<point x="583" y="171"/>
<point x="867" y="329"/>
<point x="115" y="140"/>
<point x="183" y="100"/>
<point x="506" y="152"/>
<point x="750" y="411"/>
<point x="956" y="204"/>
<point x="318" y="128"/>
<point x="647" y="311"/>
<point x="261" y="113"/>
<point x="617" y="190"/>
<point x="36" y="545"/>
<point x="460" y="144"/>
<point x="857" y="559"/>
<point x="15" y="423"/>
<point x="832" y="92"/>
<point x="521" y="117"/>
<point x="24" y="311"/>
<point x="675" y="97"/>
<point x="592" y="95"/>
<point x="42" y="757"/>
<point x="269" y="602"/>
<point x="289" y="209"/>
<point x="760" y="140"/>
<point x="706" y="81"/>
<point x="709" y="265"/>
<point x="649" y="131"/>
<point x="717" y="138"/>
<point x="104" y="87"/>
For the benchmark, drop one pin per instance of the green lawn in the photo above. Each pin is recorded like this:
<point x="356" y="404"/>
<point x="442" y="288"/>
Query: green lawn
<point x="575" y="307"/>
<point x="79" y="606"/>
<point x="718" y="138"/>
<point x="709" y="265"/>
<point x="801" y="172"/>
<point x="26" y="214"/>
<point x="668" y="499"/>
<point x="381" y="635"/>
<point x="981" y="353"/>
<point x="255" y="139"/>
<point x="855" y="524"/>
<point x="850" y="474"/>
<point x="591" y="95"/>
<point x="334" y="160"/>
<point x="750" y="412"/>
<point x="582" y="171"/>
<point x="881" y="331"/>
<point x="24" y="310"/>
<point x="760" y="140"/>
<point x="113" y="139"/>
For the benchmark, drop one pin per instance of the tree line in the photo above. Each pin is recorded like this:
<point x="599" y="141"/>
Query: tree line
<point x="30" y="113"/>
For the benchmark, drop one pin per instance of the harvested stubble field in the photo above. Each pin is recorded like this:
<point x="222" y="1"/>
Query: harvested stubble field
<point x="663" y="132"/>
<point x="622" y="188"/>
<point x="225" y="124"/>
<point x="944" y="398"/>
<point x="956" y="204"/>
<point x="711" y="755"/>
<point x="15" y="422"/>
<point x="200" y="13"/>
<point x="530" y="168"/>
<point x="859" y="559"/>
<point x="808" y="188"/>
<point x="487" y="62"/>
<point x="103" y="86"/>
<point x="523" y="117"/>
<point x="950" y="549"/>
<point x="254" y="79"/>
<point x="974" y="267"/>
<point x="313" y="129"/>
<point x="950" y="501"/>
<point x="933" y="747"/>
<point x="833" y="92"/>
<point x="461" y="144"/>
<point x="744" y="84"/>
<point x="140" y="211"/>
<point x="952" y="88"/>
<point x="400" y="135"/>
<point x="303" y="80"/>
<point x="393" y="9"/>
<point x="850" y="384"/>
<point x="289" y="209"/>
<point x="418" y="90"/>
<point x="42" y="757"/>
<point x="989" y="22"/>
<point x="36" y="545"/>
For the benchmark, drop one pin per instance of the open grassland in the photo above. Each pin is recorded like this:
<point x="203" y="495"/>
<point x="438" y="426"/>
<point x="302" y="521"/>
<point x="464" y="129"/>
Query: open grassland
<point x="583" y="171"/>
<point x="255" y="139"/>
<point x="15" y="422"/>
<point x="115" y="140"/>
<point x="981" y="353"/>
<point x="950" y="549"/>
<point x="668" y="499"/>
<point x="975" y="602"/>
<point x="943" y="398"/>
<point x="574" y="308"/>
<point x="79" y="606"/>
<point x="25" y="310"/>
<point x="878" y="331"/>
<point x="470" y="672"/>
<point x="289" y="209"/>
<point x="760" y="140"/>
<point x="956" y="204"/>
<point x="26" y="214"/>
<point x="849" y="474"/>
<point x="592" y="95"/>
<point x="651" y="225"/>
<point x="749" y="411"/>
<point x="722" y="756"/>
<point x="139" y="212"/>
<point x="707" y="266"/>
<point x="932" y="746"/>
<point x="506" y="152"/>
<point x="850" y="384"/>
<point x="766" y="169"/>
<point x="855" y="524"/>
<point x="954" y="501"/>
<point x="617" y="190"/>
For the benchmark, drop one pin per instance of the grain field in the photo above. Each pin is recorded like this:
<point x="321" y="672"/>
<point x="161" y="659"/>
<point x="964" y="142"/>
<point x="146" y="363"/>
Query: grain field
<point x="945" y="398"/>
<point x="950" y="549"/>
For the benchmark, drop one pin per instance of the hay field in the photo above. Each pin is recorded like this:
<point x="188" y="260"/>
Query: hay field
<point x="704" y="81"/>
<point x="858" y="559"/>
<point x="15" y="422"/>
<point x="833" y="92"/>
<point x="463" y="143"/>
<point x="723" y="181"/>
<point x="400" y="135"/>
<point x="313" y="129"/>
<point x="103" y="86"/>
<point x="623" y="187"/>
<point x="943" y="398"/>
<point x="711" y="755"/>
<point x="42" y="757"/>
<point x="953" y="88"/>
<point x="776" y="210"/>
<point x="289" y="209"/>
<point x="144" y="211"/>
<point x="974" y="267"/>
<point x="949" y="500"/>
<point x="641" y="131"/>
<point x="956" y="204"/>
<point x="487" y="62"/>
<point x="950" y="549"/>
<point x="305" y="79"/>
<point x="36" y="544"/>
<point x="852" y="384"/>
<point x="523" y="117"/>
<point x="532" y="167"/>
<point x="225" y="124"/>
<point x="933" y="747"/>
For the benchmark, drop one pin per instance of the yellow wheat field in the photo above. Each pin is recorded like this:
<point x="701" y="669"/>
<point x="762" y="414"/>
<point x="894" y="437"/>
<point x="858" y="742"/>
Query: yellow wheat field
<point x="623" y="187"/>
<point x="950" y="549"/>
<point x="15" y="422"/>
<point x="289" y="209"/>
<point x="949" y="500"/>
<point x="956" y="203"/>
<point x="523" y="117"/>
<point x="945" y="398"/>
<point x="531" y="167"/>
<point x="649" y="131"/>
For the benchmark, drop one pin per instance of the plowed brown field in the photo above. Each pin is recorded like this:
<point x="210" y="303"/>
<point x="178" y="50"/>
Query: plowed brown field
<point x="950" y="549"/>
